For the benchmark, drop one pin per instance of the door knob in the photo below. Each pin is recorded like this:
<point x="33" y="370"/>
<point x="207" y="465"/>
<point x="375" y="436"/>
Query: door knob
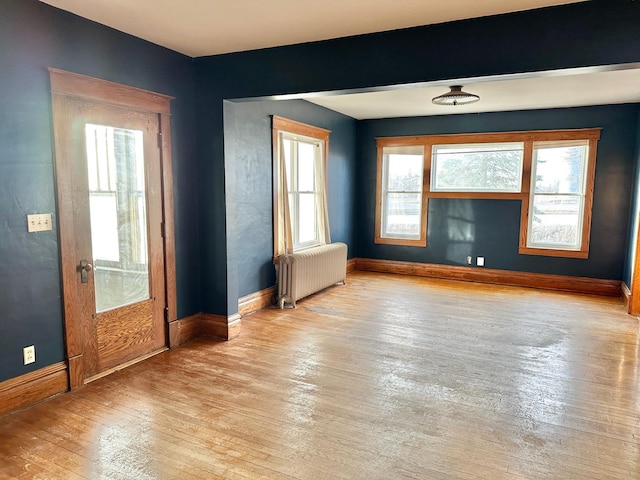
<point x="85" y="267"/>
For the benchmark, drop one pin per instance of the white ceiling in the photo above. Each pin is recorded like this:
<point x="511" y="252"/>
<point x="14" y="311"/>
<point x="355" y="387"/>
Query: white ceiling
<point x="569" y="88"/>
<point x="208" y="27"/>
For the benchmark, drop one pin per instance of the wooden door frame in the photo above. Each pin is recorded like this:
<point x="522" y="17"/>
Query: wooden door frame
<point x="633" y="306"/>
<point x="72" y="85"/>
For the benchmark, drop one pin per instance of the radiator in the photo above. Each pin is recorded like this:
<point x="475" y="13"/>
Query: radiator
<point x="303" y="273"/>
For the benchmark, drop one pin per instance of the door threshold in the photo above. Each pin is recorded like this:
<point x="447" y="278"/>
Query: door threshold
<point x="117" y="368"/>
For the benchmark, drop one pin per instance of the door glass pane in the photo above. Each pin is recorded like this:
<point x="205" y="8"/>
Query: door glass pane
<point x="117" y="201"/>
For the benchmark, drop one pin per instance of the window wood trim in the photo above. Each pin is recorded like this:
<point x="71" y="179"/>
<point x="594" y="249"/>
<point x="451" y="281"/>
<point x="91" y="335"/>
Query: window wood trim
<point x="426" y="178"/>
<point x="282" y="124"/>
<point x="299" y="128"/>
<point x="592" y="135"/>
<point x="492" y="137"/>
<point x="583" y="252"/>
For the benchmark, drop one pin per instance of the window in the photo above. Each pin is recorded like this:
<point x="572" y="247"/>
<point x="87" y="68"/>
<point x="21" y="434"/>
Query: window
<point x="478" y="167"/>
<point x="551" y="172"/>
<point x="558" y="181"/>
<point x="300" y="193"/>
<point x="401" y="195"/>
<point x="303" y="159"/>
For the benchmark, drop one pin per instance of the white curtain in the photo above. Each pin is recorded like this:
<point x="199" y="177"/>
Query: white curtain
<point x="285" y="241"/>
<point x="321" y="187"/>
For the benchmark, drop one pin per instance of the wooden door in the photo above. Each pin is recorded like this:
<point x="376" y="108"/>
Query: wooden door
<point x="110" y="204"/>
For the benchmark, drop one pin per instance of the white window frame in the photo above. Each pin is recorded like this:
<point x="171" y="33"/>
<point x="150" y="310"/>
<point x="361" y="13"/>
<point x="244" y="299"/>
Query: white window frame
<point x="580" y="194"/>
<point x="435" y="167"/>
<point x="295" y="192"/>
<point x="298" y="131"/>
<point x="382" y="236"/>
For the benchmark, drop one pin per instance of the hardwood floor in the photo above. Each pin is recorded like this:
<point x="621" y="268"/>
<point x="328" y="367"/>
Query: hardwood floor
<point x="388" y="377"/>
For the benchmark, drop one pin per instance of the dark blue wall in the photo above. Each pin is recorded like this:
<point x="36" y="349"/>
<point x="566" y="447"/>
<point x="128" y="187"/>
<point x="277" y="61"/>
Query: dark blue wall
<point x="248" y="146"/>
<point x="490" y="228"/>
<point x="576" y="35"/>
<point x="34" y="36"/>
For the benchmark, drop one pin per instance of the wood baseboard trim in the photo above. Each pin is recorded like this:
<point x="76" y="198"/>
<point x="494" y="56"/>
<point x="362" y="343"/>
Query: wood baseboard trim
<point x="203" y="325"/>
<point x="352" y="265"/>
<point x="626" y="297"/>
<point x="219" y="326"/>
<point x="593" y="286"/>
<point x="256" y="301"/>
<point x="264" y="298"/>
<point x="33" y="387"/>
<point x="234" y="323"/>
<point x="184" y="329"/>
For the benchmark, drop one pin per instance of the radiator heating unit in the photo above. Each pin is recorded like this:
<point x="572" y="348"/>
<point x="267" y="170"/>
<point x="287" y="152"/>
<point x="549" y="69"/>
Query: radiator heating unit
<point x="302" y="273"/>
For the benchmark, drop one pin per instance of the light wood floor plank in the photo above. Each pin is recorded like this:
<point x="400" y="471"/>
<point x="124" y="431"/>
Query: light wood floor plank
<point x="388" y="377"/>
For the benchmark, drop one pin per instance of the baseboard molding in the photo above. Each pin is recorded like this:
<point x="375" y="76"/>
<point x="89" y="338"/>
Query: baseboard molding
<point x="352" y="265"/>
<point x="220" y="326"/>
<point x="594" y="286"/>
<point x="256" y="301"/>
<point x="626" y="297"/>
<point x="184" y="329"/>
<point x="203" y="325"/>
<point x="33" y="387"/>
<point x="264" y="298"/>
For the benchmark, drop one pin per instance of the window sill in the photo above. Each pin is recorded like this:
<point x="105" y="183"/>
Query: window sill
<point x="550" y="252"/>
<point x="422" y="242"/>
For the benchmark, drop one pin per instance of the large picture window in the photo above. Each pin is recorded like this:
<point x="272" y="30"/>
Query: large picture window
<point x="478" y="167"/>
<point x="551" y="172"/>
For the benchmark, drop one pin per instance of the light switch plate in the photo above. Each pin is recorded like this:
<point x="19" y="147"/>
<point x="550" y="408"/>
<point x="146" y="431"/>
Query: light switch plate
<point x="39" y="222"/>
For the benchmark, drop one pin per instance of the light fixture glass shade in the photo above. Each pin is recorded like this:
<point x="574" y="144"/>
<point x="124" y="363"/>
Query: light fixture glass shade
<point x="455" y="97"/>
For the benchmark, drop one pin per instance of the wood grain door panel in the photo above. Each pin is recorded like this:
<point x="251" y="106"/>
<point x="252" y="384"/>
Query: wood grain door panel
<point x="99" y="341"/>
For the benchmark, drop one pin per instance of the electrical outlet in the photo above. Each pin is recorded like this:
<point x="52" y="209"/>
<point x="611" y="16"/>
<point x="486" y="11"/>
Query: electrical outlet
<point x="480" y="261"/>
<point x="29" y="354"/>
<point x="39" y="222"/>
<point x="469" y="260"/>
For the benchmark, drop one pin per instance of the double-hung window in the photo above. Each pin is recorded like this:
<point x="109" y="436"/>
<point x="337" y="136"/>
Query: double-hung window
<point x="300" y="190"/>
<point x="303" y="160"/>
<point x="558" y="188"/>
<point x="401" y="214"/>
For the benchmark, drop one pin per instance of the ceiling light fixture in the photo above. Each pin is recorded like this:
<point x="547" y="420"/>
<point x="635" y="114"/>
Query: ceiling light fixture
<point x="455" y="97"/>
